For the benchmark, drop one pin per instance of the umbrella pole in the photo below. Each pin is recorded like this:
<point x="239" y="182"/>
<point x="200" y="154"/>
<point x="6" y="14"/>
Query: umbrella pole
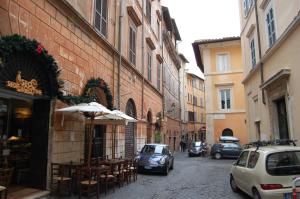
<point x="113" y="141"/>
<point x="90" y="141"/>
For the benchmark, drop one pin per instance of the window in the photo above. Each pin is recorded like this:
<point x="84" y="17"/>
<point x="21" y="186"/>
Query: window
<point x="191" y="116"/>
<point x="149" y="64"/>
<point x="158" y="75"/>
<point x="247" y="6"/>
<point x="283" y="163"/>
<point x="225" y="98"/>
<point x="253" y="159"/>
<point x="252" y="48"/>
<point x="148" y="10"/>
<point x="101" y="17"/>
<point x="222" y="62"/>
<point x="271" y="26"/>
<point x="195" y="100"/>
<point x="158" y="30"/>
<point x="243" y="159"/>
<point x="132" y="45"/>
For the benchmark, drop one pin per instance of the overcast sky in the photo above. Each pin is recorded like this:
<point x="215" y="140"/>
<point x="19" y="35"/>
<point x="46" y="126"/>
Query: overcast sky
<point x="203" y="19"/>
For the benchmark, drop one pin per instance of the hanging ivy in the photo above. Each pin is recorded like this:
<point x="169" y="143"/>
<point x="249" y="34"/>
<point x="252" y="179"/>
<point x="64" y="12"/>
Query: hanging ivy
<point x="86" y="96"/>
<point x="17" y="45"/>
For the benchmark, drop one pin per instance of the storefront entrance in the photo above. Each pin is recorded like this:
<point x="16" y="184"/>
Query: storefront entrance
<point x="24" y="126"/>
<point x="28" y="83"/>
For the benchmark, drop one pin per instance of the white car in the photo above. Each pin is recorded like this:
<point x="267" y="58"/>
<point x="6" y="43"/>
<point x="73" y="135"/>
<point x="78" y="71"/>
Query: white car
<point x="266" y="172"/>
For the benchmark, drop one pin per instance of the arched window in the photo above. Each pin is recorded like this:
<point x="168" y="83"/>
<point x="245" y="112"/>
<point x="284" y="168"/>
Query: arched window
<point x="227" y="132"/>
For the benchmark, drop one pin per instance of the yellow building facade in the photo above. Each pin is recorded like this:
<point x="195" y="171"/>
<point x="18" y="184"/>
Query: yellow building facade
<point x="270" y="39"/>
<point x="195" y="107"/>
<point x="221" y="62"/>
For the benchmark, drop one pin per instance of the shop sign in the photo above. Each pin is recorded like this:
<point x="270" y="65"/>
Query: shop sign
<point x="24" y="86"/>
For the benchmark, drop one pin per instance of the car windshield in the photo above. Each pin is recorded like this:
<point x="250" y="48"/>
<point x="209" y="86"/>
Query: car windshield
<point x="152" y="149"/>
<point x="196" y="144"/>
<point x="283" y="163"/>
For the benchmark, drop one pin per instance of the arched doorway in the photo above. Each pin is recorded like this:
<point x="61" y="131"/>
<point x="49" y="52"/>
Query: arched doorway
<point x="149" y="127"/>
<point x="28" y="83"/>
<point x="227" y="132"/>
<point x="97" y="90"/>
<point x="130" y="146"/>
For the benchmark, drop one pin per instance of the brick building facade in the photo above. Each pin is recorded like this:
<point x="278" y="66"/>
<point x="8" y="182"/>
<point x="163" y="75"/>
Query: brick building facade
<point x="115" y="41"/>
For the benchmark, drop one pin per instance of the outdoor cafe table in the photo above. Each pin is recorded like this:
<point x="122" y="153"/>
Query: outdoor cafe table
<point x="113" y="163"/>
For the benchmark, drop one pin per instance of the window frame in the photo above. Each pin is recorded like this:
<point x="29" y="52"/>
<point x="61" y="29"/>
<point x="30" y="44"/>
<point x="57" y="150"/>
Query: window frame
<point x="252" y="51"/>
<point x="247" y="8"/>
<point x="217" y="62"/>
<point x="249" y="157"/>
<point x="246" y="161"/>
<point x="159" y="67"/>
<point x="100" y="30"/>
<point x="132" y="52"/>
<point x="267" y="10"/>
<point x="149" y="65"/>
<point x="220" y="98"/>
<point x="148" y="10"/>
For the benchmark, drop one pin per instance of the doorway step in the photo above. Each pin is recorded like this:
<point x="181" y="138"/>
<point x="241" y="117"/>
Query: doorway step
<point x="26" y="193"/>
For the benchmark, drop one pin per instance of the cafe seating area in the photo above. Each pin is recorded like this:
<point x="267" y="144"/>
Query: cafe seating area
<point x="100" y="177"/>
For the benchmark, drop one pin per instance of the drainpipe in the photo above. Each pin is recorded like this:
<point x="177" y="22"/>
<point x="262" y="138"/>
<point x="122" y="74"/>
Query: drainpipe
<point x="259" y="52"/>
<point x="120" y="52"/>
<point x="143" y="57"/>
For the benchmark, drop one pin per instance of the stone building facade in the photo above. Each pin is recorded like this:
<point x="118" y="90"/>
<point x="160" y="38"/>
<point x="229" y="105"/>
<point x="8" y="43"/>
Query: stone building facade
<point x="171" y="82"/>
<point x="270" y="45"/>
<point x="118" y="43"/>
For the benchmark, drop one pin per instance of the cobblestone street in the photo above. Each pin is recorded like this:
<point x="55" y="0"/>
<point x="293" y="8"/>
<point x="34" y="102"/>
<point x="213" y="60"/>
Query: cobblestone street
<point x="192" y="178"/>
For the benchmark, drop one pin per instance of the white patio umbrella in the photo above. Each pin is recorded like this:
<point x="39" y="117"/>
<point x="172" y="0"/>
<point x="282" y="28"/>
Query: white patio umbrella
<point x="115" y="118"/>
<point x="89" y="110"/>
<point x="116" y="115"/>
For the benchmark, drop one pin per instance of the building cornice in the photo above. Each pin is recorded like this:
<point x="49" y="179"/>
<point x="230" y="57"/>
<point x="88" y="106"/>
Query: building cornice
<point x="227" y="112"/>
<point x="224" y="73"/>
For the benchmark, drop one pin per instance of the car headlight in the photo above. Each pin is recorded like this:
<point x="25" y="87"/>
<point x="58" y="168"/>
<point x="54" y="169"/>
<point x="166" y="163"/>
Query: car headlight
<point x="162" y="161"/>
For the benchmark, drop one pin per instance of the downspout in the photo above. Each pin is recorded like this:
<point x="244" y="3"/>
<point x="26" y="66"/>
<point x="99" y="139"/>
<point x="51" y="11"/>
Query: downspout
<point x="259" y="52"/>
<point x="120" y="52"/>
<point x="143" y="57"/>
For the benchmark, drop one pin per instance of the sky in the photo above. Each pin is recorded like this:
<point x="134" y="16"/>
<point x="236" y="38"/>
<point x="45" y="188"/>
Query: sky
<point x="203" y="19"/>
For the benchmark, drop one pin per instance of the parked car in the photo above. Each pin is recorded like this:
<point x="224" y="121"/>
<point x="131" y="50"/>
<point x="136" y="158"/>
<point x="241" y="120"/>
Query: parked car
<point x="266" y="172"/>
<point x="197" y="149"/>
<point x="226" y="150"/>
<point x="155" y="158"/>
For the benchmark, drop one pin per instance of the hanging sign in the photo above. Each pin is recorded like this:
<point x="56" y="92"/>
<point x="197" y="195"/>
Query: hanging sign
<point x="24" y="86"/>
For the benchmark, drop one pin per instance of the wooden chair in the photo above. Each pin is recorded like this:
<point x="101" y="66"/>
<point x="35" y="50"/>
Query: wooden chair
<point x="126" y="171"/>
<point x="5" y="178"/>
<point x="88" y="182"/>
<point x="133" y="169"/>
<point x="118" y="173"/>
<point x="107" y="181"/>
<point x="60" y="178"/>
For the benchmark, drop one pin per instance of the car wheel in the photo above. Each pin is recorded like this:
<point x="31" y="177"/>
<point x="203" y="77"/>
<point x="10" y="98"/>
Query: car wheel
<point x="218" y="156"/>
<point x="166" y="172"/>
<point x="172" y="165"/>
<point x="233" y="185"/>
<point x="255" y="194"/>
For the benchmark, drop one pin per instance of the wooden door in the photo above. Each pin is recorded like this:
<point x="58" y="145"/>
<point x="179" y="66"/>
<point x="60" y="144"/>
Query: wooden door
<point x="39" y="139"/>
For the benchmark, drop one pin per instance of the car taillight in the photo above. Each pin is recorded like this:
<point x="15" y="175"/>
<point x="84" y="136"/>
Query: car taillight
<point x="271" y="186"/>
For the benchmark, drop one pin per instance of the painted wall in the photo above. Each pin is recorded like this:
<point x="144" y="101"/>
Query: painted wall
<point x="217" y="119"/>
